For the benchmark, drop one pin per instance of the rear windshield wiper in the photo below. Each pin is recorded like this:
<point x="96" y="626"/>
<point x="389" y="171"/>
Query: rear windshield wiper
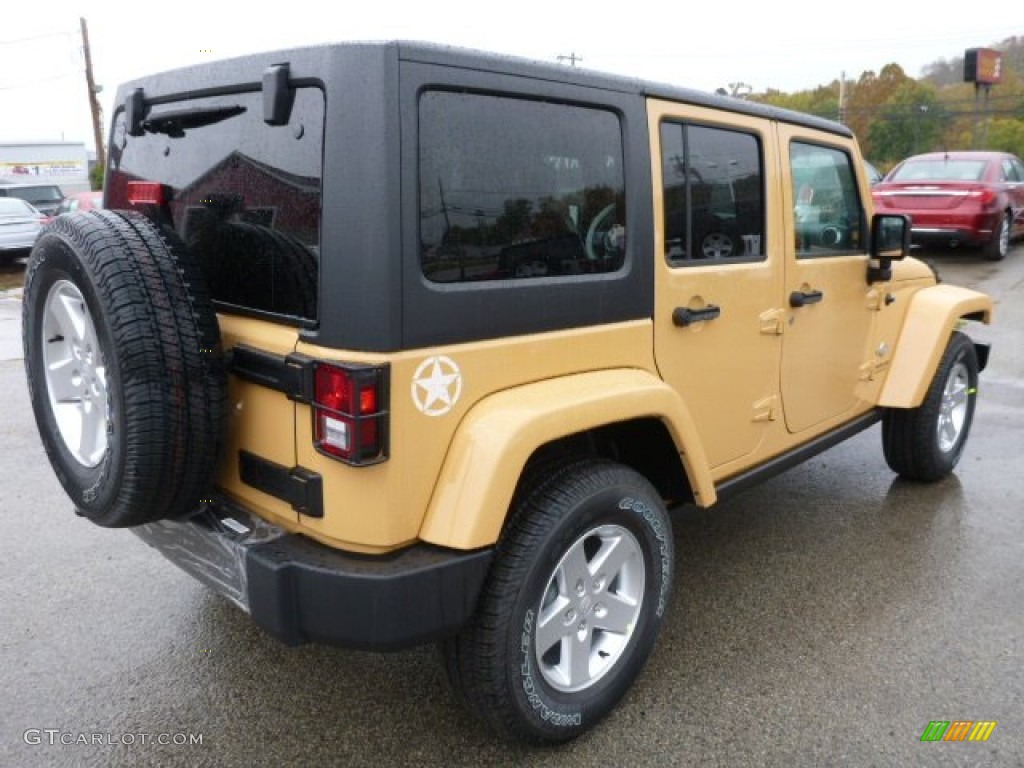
<point x="175" y="123"/>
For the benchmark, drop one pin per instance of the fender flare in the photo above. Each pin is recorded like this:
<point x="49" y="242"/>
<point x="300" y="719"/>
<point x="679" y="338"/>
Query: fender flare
<point x="932" y="316"/>
<point x="499" y="434"/>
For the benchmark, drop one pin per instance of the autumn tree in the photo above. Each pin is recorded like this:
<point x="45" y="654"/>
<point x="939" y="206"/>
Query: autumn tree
<point x="909" y="121"/>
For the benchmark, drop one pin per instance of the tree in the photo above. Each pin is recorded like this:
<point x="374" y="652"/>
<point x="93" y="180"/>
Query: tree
<point x="910" y="121"/>
<point x="96" y="177"/>
<point x="1006" y="135"/>
<point x="868" y="96"/>
<point x="894" y="115"/>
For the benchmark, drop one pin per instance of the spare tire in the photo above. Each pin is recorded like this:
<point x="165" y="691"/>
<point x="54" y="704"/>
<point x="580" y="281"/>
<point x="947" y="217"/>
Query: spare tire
<point x="125" y="369"/>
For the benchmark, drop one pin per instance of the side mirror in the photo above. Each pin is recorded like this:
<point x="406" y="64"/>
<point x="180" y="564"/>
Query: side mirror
<point x="890" y="241"/>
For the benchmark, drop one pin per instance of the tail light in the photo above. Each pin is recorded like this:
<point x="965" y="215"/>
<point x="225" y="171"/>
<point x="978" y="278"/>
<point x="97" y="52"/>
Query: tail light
<point x="984" y="196"/>
<point x="350" y="412"/>
<point x="145" y="193"/>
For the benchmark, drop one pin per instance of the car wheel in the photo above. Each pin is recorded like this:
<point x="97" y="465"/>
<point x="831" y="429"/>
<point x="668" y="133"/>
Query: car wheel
<point x="125" y="372"/>
<point x="572" y="606"/>
<point x="717" y="245"/>
<point x="997" y="248"/>
<point x="925" y="443"/>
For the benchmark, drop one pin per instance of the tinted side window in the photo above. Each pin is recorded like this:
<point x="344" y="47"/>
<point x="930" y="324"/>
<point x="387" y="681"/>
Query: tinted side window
<point x="511" y="188"/>
<point x="713" y="194"/>
<point x="244" y="196"/>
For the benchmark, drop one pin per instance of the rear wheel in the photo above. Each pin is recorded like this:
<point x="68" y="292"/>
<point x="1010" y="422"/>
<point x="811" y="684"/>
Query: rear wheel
<point x="124" y="367"/>
<point x="925" y="443"/>
<point x="572" y="607"/>
<point x="997" y="248"/>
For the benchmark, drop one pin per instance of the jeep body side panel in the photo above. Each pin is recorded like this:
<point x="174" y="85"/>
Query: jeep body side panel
<point x="498" y="436"/>
<point x="930" y="319"/>
<point x="381" y="507"/>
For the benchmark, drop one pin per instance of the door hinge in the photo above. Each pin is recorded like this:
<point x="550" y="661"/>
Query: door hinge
<point x="766" y="409"/>
<point x="291" y="374"/>
<point x="870" y="369"/>
<point x="773" y="322"/>
<point x="879" y="300"/>
<point x="300" y="487"/>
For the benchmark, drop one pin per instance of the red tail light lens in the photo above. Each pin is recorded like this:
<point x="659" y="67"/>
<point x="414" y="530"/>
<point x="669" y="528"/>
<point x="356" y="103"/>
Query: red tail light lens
<point x="349" y="421"/>
<point x="145" y="193"/>
<point x="984" y="196"/>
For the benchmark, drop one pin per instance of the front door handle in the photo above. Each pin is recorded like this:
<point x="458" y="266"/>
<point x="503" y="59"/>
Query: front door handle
<point x="803" y="298"/>
<point x="684" y="316"/>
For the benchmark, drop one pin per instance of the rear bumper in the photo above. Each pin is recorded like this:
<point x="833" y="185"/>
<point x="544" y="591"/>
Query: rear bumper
<point x="949" y="235"/>
<point x="299" y="590"/>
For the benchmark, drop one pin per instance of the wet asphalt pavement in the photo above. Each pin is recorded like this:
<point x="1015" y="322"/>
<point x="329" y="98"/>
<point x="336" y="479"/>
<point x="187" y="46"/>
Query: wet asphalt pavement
<point x="823" y="618"/>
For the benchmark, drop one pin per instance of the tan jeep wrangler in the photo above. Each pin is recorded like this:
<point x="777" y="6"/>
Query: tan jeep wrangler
<point x="392" y="343"/>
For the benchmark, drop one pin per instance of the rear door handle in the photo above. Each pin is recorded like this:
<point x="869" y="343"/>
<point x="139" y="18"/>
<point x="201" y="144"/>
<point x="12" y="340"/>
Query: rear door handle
<point x="802" y="298"/>
<point x="684" y="316"/>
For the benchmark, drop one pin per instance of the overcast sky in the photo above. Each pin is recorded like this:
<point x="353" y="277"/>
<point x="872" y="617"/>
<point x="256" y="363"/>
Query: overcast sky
<point x="788" y="45"/>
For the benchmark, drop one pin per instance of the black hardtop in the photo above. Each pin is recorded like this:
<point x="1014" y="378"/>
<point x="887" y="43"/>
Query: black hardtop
<point x="221" y="74"/>
<point x="429" y="53"/>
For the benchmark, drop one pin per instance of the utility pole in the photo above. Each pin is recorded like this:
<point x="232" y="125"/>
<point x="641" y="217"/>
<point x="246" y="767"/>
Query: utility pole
<point x="94" y="103"/>
<point x="572" y="58"/>
<point x="842" y="97"/>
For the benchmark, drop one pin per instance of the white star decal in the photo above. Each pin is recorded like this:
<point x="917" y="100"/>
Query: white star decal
<point x="436" y="385"/>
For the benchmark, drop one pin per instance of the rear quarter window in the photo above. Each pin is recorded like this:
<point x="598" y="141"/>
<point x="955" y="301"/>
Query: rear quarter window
<point x="518" y="189"/>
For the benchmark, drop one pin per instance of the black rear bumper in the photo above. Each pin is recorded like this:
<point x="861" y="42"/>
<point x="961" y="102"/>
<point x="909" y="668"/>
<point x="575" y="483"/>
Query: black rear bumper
<point x="300" y="590"/>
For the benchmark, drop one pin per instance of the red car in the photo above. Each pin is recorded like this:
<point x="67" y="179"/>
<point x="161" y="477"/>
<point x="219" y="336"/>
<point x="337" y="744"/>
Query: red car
<point x="958" y="198"/>
<point x="80" y="201"/>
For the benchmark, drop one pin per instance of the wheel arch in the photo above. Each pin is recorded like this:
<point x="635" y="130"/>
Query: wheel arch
<point x="629" y="415"/>
<point x="934" y="313"/>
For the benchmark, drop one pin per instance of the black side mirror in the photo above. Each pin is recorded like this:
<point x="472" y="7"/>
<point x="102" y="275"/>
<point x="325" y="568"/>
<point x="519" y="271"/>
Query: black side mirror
<point x="890" y="241"/>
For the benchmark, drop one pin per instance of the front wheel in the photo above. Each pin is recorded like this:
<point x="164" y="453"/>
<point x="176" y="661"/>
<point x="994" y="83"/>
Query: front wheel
<point x="573" y="605"/>
<point x="925" y="443"/>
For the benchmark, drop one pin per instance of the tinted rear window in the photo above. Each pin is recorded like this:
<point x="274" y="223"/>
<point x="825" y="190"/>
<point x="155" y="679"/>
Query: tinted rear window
<point x="244" y="196"/>
<point x="940" y="170"/>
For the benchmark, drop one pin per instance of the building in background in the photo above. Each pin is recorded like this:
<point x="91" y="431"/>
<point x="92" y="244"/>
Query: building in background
<point x="64" y="163"/>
